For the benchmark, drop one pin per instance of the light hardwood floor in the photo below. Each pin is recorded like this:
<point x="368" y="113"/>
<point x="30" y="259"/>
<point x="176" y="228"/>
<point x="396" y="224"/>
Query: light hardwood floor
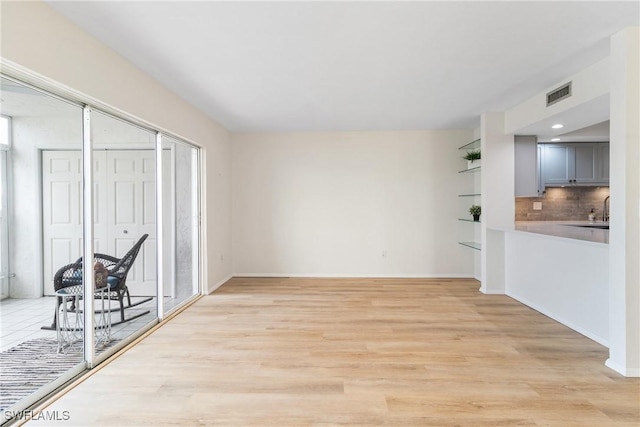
<point x="366" y="352"/>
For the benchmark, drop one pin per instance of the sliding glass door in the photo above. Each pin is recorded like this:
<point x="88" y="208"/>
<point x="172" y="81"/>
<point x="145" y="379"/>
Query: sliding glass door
<point x="39" y="334"/>
<point x="182" y="223"/>
<point x="124" y="224"/>
<point x="98" y="215"/>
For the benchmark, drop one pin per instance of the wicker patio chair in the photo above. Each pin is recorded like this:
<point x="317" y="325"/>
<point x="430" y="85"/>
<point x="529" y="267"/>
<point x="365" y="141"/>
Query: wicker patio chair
<point x="118" y="268"/>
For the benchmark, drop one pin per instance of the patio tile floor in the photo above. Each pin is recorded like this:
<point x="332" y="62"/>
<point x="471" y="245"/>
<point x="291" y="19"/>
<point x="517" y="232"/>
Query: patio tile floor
<point x="22" y="319"/>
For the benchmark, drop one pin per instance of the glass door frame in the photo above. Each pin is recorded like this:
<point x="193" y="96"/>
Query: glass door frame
<point x="196" y="185"/>
<point x="160" y="246"/>
<point x="5" y="171"/>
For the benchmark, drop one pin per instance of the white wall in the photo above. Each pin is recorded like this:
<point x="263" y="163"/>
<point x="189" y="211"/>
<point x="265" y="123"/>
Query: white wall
<point x="41" y="46"/>
<point x="564" y="279"/>
<point x="624" y="252"/>
<point x="498" y="201"/>
<point x="348" y="204"/>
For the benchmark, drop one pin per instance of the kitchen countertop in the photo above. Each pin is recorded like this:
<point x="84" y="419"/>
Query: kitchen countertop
<point x="564" y="229"/>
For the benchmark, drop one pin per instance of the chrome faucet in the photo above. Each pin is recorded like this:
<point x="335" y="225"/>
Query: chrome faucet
<point x="605" y="210"/>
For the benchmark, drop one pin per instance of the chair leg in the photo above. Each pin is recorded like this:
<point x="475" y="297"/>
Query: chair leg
<point x="128" y="296"/>
<point x="54" y="324"/>
<point x="121" y="299"/>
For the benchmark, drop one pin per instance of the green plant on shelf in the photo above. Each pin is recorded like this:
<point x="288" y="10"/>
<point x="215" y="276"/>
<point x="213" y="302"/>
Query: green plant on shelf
<point x="472" y="155"/>
<point x="475" y="210"/>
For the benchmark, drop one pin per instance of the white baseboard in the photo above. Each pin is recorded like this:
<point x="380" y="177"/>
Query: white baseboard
<point x="212" y="288"/>
<point x="557" y="318"/>
<point x="627" y="372"/>
<point x="359" y="276"/>
<point x="220" y="283"/>
<point x="491" y="291"/>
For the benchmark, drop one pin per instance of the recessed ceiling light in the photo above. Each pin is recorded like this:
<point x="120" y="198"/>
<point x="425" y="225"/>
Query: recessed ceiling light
<point x="557" y="126"/>
<point x="555" y="139"/>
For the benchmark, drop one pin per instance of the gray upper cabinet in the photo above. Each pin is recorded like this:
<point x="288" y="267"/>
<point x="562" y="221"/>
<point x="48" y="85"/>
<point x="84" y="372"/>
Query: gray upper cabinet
<point x="585" y="164"/>
<point x="557" y="165"/>
<point x="603" y="163"/>
<point x="574" y="164"/>
<point x="527" y="164"/>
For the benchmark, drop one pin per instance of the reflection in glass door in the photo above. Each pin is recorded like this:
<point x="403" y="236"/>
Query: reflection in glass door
<point x="124" y="224"/>
<point x="30" y="323"/>
<point x="181" y="222"/>
<point x="78" y="184"/>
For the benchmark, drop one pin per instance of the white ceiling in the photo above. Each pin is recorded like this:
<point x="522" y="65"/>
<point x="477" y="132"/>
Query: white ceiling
<point x="315" y="66"/>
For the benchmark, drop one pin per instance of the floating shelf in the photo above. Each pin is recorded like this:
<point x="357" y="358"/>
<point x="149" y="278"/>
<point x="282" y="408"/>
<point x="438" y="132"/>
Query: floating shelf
<point x="471" y="146"/>
<point x="472" y="245"/>
<point x="470" y="170"/>
<point x="473" y="192"/>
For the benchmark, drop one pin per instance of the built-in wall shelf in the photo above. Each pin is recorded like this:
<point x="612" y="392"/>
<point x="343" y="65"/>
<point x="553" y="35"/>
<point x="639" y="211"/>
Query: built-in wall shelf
<point x="471" y="195"/>
<point x="476" y="169"/>
<point x="473" y="145"/>
<point x="472" y="245"/>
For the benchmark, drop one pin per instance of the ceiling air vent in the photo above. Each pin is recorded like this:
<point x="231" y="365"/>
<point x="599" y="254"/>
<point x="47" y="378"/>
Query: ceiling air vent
<point x="559" y="94"/>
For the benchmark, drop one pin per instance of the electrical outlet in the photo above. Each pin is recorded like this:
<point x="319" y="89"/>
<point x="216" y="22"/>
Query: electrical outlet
<point x="384" y="254"/>
<point x="537" y="206"/>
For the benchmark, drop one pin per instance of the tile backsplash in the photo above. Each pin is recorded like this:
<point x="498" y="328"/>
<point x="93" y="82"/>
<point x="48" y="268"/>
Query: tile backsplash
<point x="563" y="204"/>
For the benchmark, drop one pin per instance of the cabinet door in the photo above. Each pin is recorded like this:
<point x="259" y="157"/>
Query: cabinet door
<point x="574" y="164"/>
<point x="603" y="163"/>
<point x="585" y="163"/>
<point x="526" y="166"/>
<point x="557" y="164"/>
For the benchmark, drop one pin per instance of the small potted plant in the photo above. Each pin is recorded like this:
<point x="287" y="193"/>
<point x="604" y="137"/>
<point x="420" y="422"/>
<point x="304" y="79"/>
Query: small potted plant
<point x="475" y="210"/>
<point x="473" y="159"/>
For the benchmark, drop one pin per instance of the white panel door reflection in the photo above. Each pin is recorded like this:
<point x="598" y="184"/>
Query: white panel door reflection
<point x="62" y="209"/>
<point x="131" y="212"/>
